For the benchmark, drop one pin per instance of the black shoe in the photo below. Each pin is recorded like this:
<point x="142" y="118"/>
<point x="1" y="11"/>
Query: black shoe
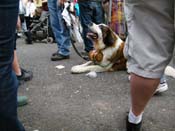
<point x="133" y="127"/>
<point x="28" y="37"/>
<point x="29" y="42"/>
<point x="57" y="57"/>
<point x="22" y="100"/>
<point x="55" y="53"/>
<point x="25" y="75"/>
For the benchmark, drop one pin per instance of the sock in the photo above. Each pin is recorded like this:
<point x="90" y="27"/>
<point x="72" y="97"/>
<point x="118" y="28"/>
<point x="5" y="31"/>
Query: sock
<point x="19" y="74"/>
<point x="134" y="119"/>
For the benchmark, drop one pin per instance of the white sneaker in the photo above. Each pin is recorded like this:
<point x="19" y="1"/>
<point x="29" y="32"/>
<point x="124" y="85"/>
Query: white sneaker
<point x="19" y="34"/>
<point x="162" y="87"/>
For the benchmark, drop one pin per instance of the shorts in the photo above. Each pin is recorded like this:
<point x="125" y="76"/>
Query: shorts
<point x="150" y="42"/>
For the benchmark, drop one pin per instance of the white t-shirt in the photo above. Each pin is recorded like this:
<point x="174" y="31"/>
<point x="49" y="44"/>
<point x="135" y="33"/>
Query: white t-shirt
<point x="22" y="8"/>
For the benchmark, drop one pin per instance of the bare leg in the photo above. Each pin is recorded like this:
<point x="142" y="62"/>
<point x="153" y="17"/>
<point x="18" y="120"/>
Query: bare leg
<point x="142" y="89"/>
<point x="16" y="67"/>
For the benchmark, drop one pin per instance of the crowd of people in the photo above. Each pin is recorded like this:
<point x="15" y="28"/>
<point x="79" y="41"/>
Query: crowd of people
<point x="146" y="48"/>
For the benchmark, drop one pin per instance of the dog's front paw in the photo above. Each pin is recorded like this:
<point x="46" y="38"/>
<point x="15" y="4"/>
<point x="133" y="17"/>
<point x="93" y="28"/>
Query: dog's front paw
<point x="75" y="69"/>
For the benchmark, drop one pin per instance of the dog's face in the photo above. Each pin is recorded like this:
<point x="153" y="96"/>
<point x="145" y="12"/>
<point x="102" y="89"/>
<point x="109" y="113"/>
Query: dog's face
<point x="102" y="36"/>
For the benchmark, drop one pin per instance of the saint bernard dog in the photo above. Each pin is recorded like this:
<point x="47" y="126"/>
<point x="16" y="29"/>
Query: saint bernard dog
<point x="108" y="51"/>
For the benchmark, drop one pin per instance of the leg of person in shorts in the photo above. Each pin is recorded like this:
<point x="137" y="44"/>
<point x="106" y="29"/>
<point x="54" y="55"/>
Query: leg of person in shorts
<point x="149" y="48"/>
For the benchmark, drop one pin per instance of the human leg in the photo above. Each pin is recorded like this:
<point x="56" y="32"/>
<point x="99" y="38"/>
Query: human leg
<point x="142" y="89"/>
<point x="8" y="82"/>
<point x="22" y="74"/>
<point x="86" y="13"/>
<point x="60" y="30"/>
<point x="98" y="13"/>
<point x="16" y="67"/>
<point x="162" y="87"/>
<point x="53" y="19"/>
<point x="21" y="100"/>
<point x="90" y="11"/>
<point x="23" y="27"/>
<point x="146" y="49"/>
<point x="64" y="34"/>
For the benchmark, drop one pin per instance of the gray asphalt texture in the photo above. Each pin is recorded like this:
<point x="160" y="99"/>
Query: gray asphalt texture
<point x="61" y="101"/>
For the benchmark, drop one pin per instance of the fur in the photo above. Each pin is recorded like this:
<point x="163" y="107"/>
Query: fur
<point x="110" y="45"/>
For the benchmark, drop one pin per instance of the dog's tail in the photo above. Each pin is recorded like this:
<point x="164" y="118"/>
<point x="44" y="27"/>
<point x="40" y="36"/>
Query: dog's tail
<point x="170" y="71"/>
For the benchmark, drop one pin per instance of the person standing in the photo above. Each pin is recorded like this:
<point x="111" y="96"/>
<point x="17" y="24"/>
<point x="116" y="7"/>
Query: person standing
<point x="30" y="12"/>
<point x="8" y="82"/>
<point x="149" y="49"/>
<point x="61" y="32"/>
<point x="22" y="22"/>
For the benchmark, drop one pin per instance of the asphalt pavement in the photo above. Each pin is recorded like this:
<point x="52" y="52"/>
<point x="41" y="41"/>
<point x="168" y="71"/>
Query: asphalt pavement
<point x="61" y="101"/>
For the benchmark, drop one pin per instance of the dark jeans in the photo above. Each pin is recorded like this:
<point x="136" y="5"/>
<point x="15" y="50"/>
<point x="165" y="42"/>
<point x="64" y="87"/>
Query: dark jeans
<point x="8" y="81"/>
<point x="90" y="11"/>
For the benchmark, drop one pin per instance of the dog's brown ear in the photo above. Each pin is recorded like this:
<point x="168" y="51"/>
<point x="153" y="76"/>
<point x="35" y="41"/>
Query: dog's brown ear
<point x="108" y="37"/>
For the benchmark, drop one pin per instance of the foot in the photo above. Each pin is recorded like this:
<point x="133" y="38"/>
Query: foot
<point x="162" y="87"/>
<point x="19" y="35"/>
<point x="28" y="37"/>
<point x="57" y="57"/>
<point x="22" y="100"/>
<point x="133" y="127"/>
<point x="25" y="75"/>
<point x="29" y="42"/>
<point x="55" y="53"/>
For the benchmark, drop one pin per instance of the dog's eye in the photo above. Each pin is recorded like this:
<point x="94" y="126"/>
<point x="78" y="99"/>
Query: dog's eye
<point x="95" y="36"/>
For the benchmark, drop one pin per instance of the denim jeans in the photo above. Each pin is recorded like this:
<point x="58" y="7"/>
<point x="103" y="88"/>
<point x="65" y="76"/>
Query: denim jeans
<point x="90" y="11"/>
<point x="61" y="32"/>
<point x="8" y="81"/>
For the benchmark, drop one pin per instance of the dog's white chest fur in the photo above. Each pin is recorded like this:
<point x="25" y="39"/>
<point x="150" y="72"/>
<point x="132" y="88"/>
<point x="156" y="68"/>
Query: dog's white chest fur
<point x="105" y="41"/>
<point x="108" y="52"/>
